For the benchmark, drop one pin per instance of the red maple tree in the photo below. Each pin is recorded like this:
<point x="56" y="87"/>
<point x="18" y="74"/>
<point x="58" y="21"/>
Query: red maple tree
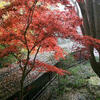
<point x="33" y="26"/>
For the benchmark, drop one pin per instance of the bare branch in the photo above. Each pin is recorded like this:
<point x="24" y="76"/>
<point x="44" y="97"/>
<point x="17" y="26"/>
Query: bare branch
<point x="29" y="21"/>
<point x="33" y="60"/>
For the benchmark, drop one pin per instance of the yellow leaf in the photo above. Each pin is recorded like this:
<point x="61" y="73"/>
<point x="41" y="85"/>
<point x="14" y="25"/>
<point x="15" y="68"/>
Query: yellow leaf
<point x="3" y="4"/>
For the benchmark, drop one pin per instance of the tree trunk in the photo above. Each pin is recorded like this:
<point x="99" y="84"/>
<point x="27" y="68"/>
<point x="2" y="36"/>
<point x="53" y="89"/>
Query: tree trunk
<point x="96" y="67"/>
<point x="91" y="26"/>
<point x="22" y="89"/>
<point x="94" y="64"/>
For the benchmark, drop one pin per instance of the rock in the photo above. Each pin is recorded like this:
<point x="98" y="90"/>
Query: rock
<point x="94" y="81"/>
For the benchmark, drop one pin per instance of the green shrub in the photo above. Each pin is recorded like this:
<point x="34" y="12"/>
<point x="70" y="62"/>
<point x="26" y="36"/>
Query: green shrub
<point x="4" y="62"/>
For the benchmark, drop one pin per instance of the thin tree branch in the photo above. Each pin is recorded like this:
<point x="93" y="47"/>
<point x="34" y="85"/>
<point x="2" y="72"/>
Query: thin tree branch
<point x="33" y="60"/>
<point x="29" y="21"/>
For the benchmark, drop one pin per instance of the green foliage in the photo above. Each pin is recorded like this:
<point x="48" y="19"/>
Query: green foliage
<point x="61" y="85"/>
<point x="1" y="47"/>
<point x="68" y="61"/>
<point x="97" y="98"/>
<point x="77" y="79"/>
<point x="76" y="82"/>
<point x="4" y="62"/>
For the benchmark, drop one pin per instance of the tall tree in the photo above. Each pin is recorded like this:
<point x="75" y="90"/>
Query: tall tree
<point x="91" y="23"/>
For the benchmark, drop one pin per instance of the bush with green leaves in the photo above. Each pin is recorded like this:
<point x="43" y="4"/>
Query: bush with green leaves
<point x="4" y="62"/>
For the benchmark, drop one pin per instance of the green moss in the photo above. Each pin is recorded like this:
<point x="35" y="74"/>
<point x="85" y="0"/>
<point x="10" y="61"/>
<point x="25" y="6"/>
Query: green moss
<point x="97" y="98"/>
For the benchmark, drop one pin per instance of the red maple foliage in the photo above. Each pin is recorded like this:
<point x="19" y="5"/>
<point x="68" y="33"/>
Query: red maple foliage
<point x="30" y="25"/>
